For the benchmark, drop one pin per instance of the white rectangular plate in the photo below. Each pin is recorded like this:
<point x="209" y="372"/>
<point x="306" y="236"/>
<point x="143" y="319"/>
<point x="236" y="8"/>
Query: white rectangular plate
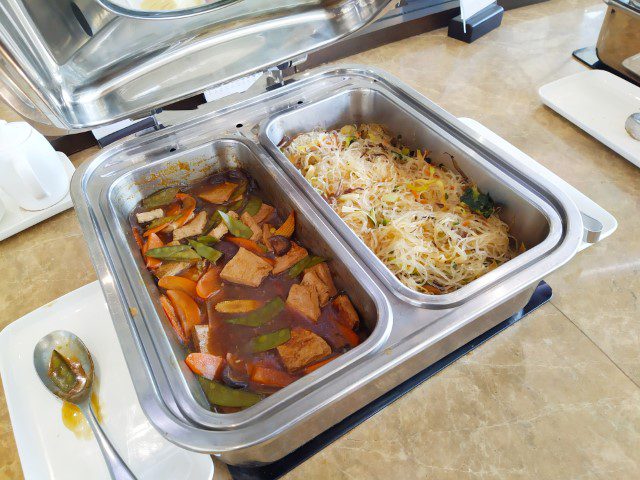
<point x="47" y="449"/>
<point x="599" y="103"/>
<point x="584" y="203"/>
<point x="16" y="219"/>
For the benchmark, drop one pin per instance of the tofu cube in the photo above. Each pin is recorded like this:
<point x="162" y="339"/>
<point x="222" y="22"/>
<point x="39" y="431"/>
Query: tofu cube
<point x="246" y="268"/>
<point x="319" y="278"/>
<point x="172" y="226"/>
<point x="219" y="193"/>
<point x="194" y="227"/>
<point x="264" y="213"/>
<point x="221" y="230"/>
<point x="255" y="228"/>
<point x="293" y="256"/>
<point x="145" y="217"/>
<point x="303" y="348"/>
<point x="304" y="300"/>
<point x="200" y="338"/>
<point x="171" y="268"/>
<point x="347" y="315"/>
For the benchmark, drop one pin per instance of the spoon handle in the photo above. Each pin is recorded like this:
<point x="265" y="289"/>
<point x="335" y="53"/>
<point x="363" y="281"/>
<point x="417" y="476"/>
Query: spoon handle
<point x="117" y="468"/>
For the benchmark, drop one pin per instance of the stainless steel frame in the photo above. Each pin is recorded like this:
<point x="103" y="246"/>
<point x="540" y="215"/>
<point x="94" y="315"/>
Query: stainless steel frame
<point x="419" y="335"/>
<point x="531" y="219"/>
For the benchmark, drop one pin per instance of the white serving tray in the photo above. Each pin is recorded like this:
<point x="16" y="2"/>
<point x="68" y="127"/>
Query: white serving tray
<point x="16" y="219"/>
<point x="584" y="203"/>
<point x="599" y="103"/>
<point x="47" y="449"/>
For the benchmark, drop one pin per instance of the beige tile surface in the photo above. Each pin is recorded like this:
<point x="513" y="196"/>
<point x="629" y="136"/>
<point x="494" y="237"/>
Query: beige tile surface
<point x="556" y="395"/>
<point x="539" y="401"/>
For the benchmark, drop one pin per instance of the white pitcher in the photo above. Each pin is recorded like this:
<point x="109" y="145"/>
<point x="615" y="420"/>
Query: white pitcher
<point x="30" y="169"/>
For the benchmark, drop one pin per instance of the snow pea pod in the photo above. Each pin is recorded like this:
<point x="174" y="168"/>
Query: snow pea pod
<point x="236" y="227"/>
<point x="271" y="340"/>
<point x="214" y="220"/>
<point x="174" y="253"/>
<point x="207" y="239"/>
<point x="160" y="198"/>
<point x="307" y="262"/>
<point x="253" y="205"/>
<point x="61" y="373"/>
<point x="260" y="316"/>
<point x="161" y="221"/>
<point x="219" y="394"/>
<point x="206" y="251"/>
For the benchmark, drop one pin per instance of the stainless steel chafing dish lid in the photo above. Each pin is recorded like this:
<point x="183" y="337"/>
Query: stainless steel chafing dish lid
<point x="76" y="65"/>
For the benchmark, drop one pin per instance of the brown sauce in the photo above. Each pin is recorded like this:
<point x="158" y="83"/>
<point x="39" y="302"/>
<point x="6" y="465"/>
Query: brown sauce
<point x="74" y="420"/>
<point x="228" y="339"/>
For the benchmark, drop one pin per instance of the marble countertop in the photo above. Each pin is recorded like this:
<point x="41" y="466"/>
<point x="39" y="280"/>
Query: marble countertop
<point x="555" y="396"/>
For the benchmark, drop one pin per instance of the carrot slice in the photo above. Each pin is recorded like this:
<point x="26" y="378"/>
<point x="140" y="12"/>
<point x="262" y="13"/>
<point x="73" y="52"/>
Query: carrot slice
<point x="173" y="318"/>
<point x="209" y="283"/>
<point x="138" y="238"/>
<point x="153" y="241"/>
<point x="173" y="210"/>
<point x="287" y="228"/>
<point x="188" y="206"/>
<point x="237" y="306"/>
<point x="170" y="282"/>
<point x="247" y="244"/>
<point x="205" y="364"/>
<point x="156" y="229"/>
<point x="348" y="334"/>
<point x="315" y="366"/>
<point x="271" y="377"/>
<point x="186" y="308"/>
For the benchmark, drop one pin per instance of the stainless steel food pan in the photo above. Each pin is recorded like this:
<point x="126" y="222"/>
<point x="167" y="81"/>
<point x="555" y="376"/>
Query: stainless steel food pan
<point x="531" y="217"/>
<point x="138" y="181"/>
<point x="418" y="336"/>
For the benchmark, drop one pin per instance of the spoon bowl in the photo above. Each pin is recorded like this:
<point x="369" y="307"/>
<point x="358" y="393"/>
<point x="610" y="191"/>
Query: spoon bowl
<point x="632" y="125"/>
<point x="71" y="347"/>
<point x="75" y="351"/>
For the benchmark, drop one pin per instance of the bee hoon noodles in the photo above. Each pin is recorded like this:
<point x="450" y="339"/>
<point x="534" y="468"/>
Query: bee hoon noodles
<point x="413" y="215"/>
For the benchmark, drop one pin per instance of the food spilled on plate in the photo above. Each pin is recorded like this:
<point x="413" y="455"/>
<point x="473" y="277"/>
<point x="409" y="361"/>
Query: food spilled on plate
<point x="433" y="228"/>
<point x="256" y="309"/>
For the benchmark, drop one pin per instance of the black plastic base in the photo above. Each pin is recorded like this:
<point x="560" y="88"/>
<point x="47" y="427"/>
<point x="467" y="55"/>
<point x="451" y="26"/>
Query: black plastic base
<point x="487" y="19"/>
<point x="589" y="57"/>
<point x="276" y="469"/>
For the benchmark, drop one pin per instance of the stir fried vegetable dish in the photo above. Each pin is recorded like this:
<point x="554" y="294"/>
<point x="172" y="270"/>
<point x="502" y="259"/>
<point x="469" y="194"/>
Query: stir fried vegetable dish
<point x="255" y="308"/>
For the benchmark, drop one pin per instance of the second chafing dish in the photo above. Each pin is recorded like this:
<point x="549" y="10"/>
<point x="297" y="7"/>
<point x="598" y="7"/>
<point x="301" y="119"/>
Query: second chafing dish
<point x="409" y="334"/>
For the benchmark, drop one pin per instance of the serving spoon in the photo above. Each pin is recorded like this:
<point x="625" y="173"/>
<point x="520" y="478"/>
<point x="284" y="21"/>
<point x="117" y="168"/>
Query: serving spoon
<point x="72" y="348"/>
<point x="632" y="125"/>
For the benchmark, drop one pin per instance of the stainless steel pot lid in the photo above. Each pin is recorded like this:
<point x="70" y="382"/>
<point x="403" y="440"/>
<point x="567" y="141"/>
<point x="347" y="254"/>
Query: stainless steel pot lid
<point x="76" y="65"/>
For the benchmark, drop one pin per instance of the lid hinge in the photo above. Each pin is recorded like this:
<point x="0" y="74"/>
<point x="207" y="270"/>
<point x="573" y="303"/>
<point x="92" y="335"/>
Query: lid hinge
<point x="277" y="76"/>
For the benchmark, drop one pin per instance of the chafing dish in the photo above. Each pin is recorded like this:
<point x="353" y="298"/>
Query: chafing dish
<point x="409" y="332"/>
<point x="619" y="39"/>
